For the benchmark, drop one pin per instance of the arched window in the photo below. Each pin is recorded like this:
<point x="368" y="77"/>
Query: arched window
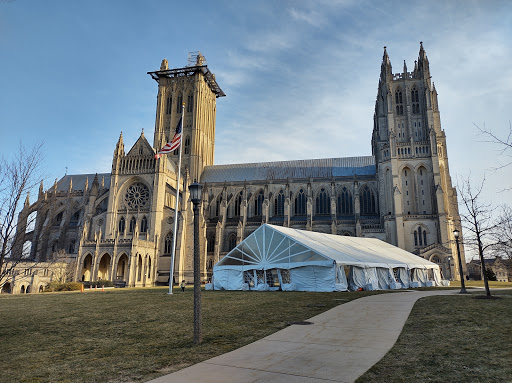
<point x="231" y="242"/>
<point x="139" y="269"/>
<point x="132" y="225"/>
<point x="211" y="244"/>
<point x="179" y="104"/>
<point x="144" y="225"/>
<point x="187" y="145"/>
<point x="58" y="218"/>
<point x="217" y="205"/>
<point x="415" y="101"/>
<point x="345" y="202"/>
<point x="168" y="107"/>
<point x="420" y="237"/>
<point x="300" y="203"/>
<point x="323" y="205"/>
<point x="367" y="198"/>
<point x="168" y="244"/>
<point x="74" y="219"/>
<point x="122" y="225"/>
<point x="190" y="103"/>
<point x="279" y="204"/>
<point x="258" y="203"/>
<point x="238" y="203"/>
<point x="399" y="102"/>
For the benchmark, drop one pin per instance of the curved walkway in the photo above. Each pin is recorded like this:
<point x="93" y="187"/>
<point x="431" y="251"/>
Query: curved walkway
<point x="339" y="346"/>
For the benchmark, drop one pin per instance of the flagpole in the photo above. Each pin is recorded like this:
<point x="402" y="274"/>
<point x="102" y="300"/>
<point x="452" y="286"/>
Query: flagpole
<point x="175" y="231"/>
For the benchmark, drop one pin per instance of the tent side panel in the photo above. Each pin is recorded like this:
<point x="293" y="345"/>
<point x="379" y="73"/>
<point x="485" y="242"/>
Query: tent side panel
<point x="226" y="279"/>
<point x="313" y="278"/>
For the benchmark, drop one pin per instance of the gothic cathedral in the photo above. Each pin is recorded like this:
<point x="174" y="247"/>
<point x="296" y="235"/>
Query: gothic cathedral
<point x="118" y="226"/>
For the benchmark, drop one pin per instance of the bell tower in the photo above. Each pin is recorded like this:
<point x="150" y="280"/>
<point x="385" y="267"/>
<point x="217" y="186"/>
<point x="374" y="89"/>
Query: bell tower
<point x="195" y="87"/>
<point x="418" y="202"/>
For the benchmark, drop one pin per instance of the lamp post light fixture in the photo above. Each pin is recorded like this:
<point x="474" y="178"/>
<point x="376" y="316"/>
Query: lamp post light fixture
<point x="462" y="285"/>
<point x="195" y="196"/>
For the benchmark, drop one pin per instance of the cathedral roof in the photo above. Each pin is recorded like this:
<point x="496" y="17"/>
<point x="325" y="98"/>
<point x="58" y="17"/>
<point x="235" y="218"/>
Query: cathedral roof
<point x="283" y="170"/>
<point x="79" y="181"/>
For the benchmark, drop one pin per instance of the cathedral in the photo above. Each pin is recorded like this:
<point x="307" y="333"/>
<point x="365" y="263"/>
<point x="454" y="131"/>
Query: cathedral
<point x="119" y="226"/>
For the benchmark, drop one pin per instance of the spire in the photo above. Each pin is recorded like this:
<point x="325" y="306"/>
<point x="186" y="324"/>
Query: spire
<point x="142" y="133"/>
<point x="55" y="187"/>
<point x="86" y="186"/>
<point x="103" y="182"/>
<point x="405" y="68"/>
<point x="120" y="146"/>
<point x="385" y="68"/>
<point x="385" y="57"/>
<point x="27" y="201"/>
<point x="95" y="185"/>
<point x="70" y="189"/>
<point x="423" y="62"/>
<point x="41" y="192"/>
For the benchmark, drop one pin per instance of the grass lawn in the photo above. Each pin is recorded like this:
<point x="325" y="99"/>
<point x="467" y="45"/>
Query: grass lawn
<point x="452" y="339"/>
<point x="492" y="284"/>
<point x="135" y="334"/>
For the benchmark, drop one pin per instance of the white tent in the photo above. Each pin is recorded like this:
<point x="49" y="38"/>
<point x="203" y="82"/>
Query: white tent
<point x="280" y="258"/>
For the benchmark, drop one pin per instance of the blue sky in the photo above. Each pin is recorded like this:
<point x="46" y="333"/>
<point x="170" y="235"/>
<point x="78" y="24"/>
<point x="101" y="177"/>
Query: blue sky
<point x="73" y="75"/>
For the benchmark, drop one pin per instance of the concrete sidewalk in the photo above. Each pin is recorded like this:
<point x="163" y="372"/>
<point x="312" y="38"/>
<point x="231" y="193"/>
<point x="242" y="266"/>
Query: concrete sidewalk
<point x="339" y="346"/>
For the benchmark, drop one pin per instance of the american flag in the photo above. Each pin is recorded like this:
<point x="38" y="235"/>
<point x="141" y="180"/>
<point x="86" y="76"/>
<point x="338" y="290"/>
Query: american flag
<point x="174" y="144"/>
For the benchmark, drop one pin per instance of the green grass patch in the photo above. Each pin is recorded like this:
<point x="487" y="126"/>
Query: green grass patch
<point x="451" y="339"/>
<point x="136" y="334"/>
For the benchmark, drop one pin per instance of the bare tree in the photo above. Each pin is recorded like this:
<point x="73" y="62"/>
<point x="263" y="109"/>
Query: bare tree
<point x="19" y="174"/>
<point x="503" y="235"/>
<point x="66" y="265"/>
<point x="504" y="144"/>
<point x="477" y="218"/>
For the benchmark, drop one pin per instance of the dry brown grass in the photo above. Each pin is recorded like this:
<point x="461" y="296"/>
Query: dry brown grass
<point x="451" y="339"/>
<point x="136" y="334"/>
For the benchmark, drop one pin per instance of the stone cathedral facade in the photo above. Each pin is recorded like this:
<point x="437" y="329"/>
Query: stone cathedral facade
<point x="118" y="226"/>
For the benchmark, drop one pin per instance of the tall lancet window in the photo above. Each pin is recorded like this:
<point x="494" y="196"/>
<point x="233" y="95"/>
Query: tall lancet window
<point x="122" y="225"/>
<point x="187" y="145"/>
<point x="132" y="225"/>
<point x="179" y="104"/>
<point x="399" y="102"/>
<point x="300" y="203"/>
<point x="367" y="198"/>
<point x="238" y="203"/>
<point x="144" y="225"/>
<point x="415" y="101"/>
<point x="323" y="205"/>
<point x="279" y="204"/>
<point x="258" y="203"/>
<point x="190" y="103"/>
<point x="168" y="107"/>
<point x="218" y="204"/>
<point x="168" y="244"/>
<point x="345" y="202"/>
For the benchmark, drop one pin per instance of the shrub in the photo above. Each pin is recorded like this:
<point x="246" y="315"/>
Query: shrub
<point x="56" y="286"/>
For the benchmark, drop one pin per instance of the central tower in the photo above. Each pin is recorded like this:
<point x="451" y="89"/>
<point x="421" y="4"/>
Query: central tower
<point x="196" y="87"/>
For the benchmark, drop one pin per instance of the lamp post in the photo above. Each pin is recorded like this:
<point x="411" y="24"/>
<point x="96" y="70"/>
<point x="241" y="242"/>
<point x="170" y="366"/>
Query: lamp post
<point x="462" y="285"/>
<point x="195" y="196"/>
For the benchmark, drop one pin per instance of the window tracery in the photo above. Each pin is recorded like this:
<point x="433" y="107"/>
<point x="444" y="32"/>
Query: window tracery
<point x="137" y="195"/>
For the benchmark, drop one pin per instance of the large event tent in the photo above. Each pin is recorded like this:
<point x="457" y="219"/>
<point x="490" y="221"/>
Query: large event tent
<point x="275" y="257"/>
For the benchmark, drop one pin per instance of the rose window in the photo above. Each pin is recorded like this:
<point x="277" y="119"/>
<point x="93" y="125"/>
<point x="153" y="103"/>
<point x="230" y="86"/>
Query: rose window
<point x="137" y="196"/>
